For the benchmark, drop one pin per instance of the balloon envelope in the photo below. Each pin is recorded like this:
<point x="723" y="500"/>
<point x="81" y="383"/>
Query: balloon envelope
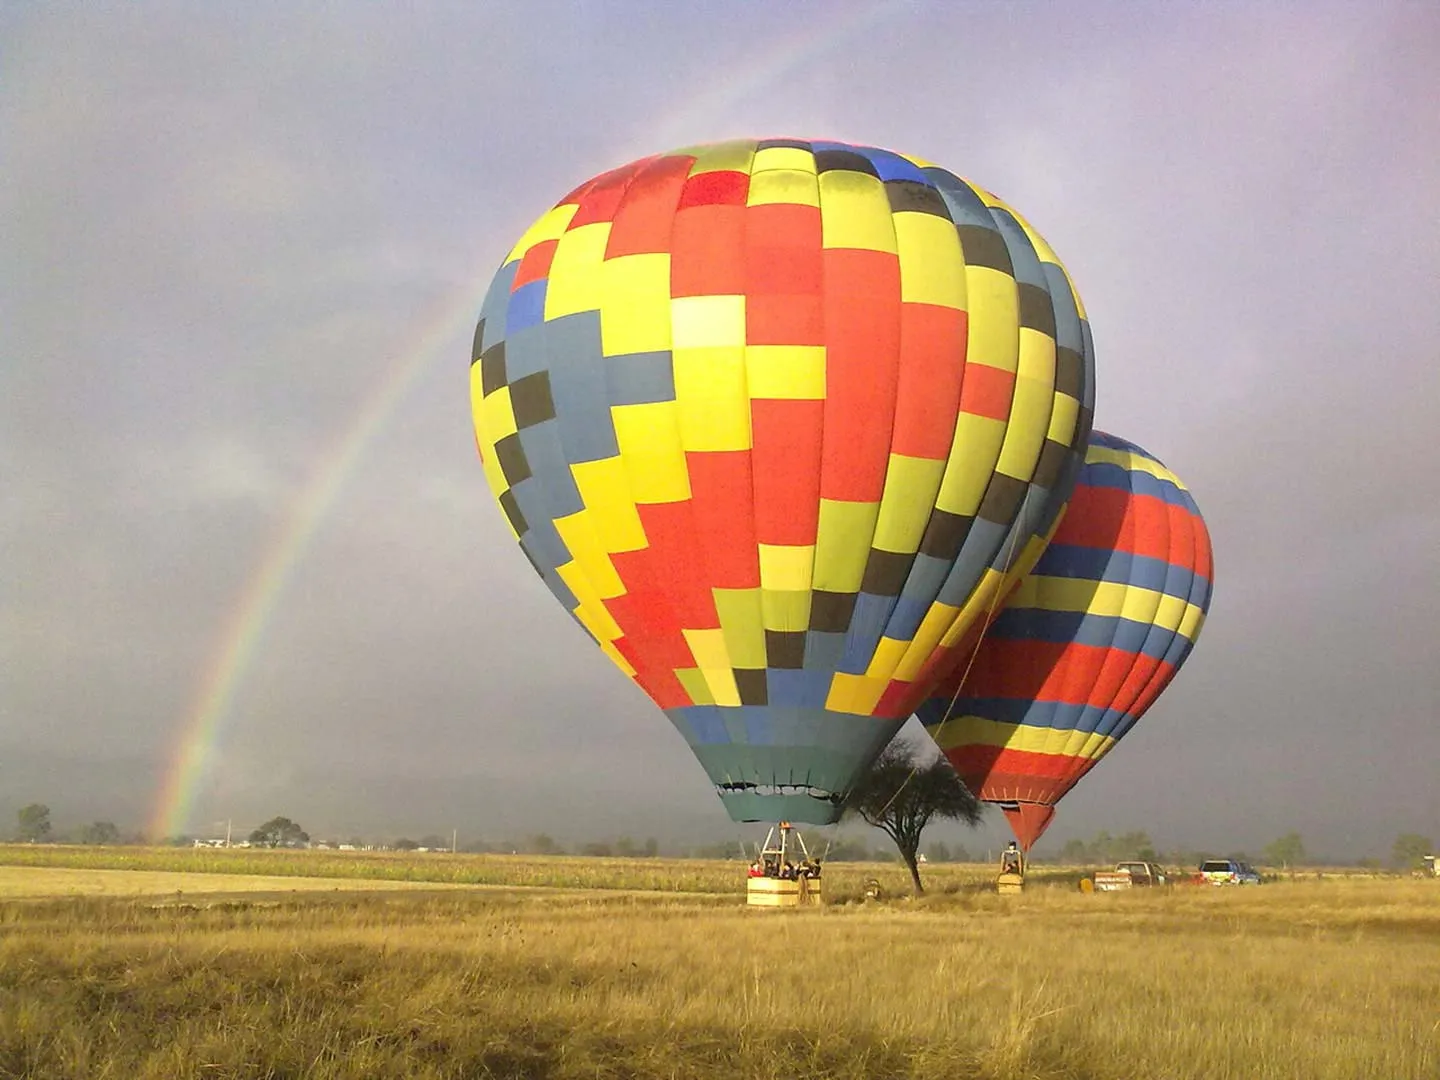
<point x="772" y="419"/>
<point x="1087" y="641"/>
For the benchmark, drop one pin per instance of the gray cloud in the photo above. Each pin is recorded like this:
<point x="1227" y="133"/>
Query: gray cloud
<point x="223" y="229"/>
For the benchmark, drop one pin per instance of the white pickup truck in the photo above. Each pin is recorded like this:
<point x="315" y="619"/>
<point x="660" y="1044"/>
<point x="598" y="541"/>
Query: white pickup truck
<point x="1129" y="875"/>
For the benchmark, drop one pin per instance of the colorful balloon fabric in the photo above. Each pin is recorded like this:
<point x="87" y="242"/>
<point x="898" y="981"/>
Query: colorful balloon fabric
<point x="1086" y="642"/>
<point x="773" y="419"/>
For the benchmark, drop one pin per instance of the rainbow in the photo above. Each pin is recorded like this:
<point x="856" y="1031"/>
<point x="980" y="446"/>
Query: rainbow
<point x="190" y="763"/>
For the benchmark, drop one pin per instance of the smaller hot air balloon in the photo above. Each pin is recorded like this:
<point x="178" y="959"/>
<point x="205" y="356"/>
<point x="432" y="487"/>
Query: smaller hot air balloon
<point x="1085" y="643"/>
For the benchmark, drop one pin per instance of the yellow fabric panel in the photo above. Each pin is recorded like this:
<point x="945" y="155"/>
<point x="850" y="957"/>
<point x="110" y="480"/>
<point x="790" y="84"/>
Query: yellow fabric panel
<point x="994" y="318"/>
<point x="584" y="544"/>
<point x="1110" y="599"/>
<point x="1063" y="415"/>
<point x="649" y="439"/>
<point x="495" y="478"/>
<point x="617" y="658"/>
<point x="785" y="371"/>
<point x="795" y="186"/>
<point x="785" y="609"/>
<point x="549" y="227"/>
<point x="855" y="212"/>
<point x="593" y="618"/>
<point x="494" y="416"/>
<point x="1030" y="408"/>
<point x="635" y="304"/>
<point x="905" y="503"/>
<point x="708" y="647"/>
<point x="855" y="693"/>
<point x="985" y="602"/>
<point x="1191" y="621"/>
<point x="722" y="685"/>
<point x="1131" y="462"/>
<point x="920" y="162"/>
<point x="842" y="543"/>
<point x="977" y="731"/>
<point x="592" y="610"/>
<point x="782" y="157"/>
<point x="575" y="280"/>
<point x="973" y="454"/>
<point x="932" y="267"/>
<point x="888" y="654"/>
<point x="710" y="393"/>
<point x="605" y="490"/>
<point x="701" y="322"/>
<point x="786" y="567"/>
<point x="734" y="156"/>
<point x="693" y="680"/>
<point x="937" y="620"/>
<point x="742" y="625"/>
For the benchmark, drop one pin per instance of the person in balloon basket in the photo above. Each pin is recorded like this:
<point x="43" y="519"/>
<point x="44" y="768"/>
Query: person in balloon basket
<point x="1010" y="859"/>
<point x="756" y="870"/>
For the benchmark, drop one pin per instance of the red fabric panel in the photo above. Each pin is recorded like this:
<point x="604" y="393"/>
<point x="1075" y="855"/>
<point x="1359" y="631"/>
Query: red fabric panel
<point x="932" y="352"/>
<point x="647" y="212"/>
<point x="707" y="251"/>
<point x="724" y="517"/>
<point x="786" y="435"/>
<point x="987" y="391"/>
<point x="1028" y="821"/>
<point x="862" y="345"/>
<point x="601" y="197"/>
<point x="535" y="264"/>
<point x="783" y="276"/>
<point x="725" y="187"/>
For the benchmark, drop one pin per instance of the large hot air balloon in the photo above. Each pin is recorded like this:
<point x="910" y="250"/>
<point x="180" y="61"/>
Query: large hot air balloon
<point x="1086" y="642"/>
<point x="773" y="419"/>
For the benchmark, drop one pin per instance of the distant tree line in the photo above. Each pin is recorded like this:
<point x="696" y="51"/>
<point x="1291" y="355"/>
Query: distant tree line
<point x="907" y="793"/>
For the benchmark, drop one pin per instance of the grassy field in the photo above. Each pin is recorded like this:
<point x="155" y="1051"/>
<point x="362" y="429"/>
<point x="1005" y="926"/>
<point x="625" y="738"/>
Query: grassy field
<point x="1307" y="979"/>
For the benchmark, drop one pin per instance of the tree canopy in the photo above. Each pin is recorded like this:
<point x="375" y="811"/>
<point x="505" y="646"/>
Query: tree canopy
<point x="279" y="832"/>
<point x="33" y="823"/>
<point x="904" y="791"/>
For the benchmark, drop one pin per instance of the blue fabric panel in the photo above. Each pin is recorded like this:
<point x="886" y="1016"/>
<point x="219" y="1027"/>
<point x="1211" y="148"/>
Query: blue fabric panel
<point x="497" y="301"/>
<point x="1068" y="333"/>
<point x="866" y="625"/>
<point x="964" y="205"/>
<point x="892" y="166"/>
<point x="640" y="378"/>
<point x="786" y="686"/>
<point x="1062" y="627"/>
<point x="541" y="443"/>
<point x="922" y="585"/>
<point x="526" y="352"/>
<point x="527" y="306"/>
<point x="577" y="387"/>
<point x="979" y="548"/>
<point x="823" y="650"/>
<point x="1098" y="564"/>
<point x="542" y="542"/>
<point x="1022" y="252"/>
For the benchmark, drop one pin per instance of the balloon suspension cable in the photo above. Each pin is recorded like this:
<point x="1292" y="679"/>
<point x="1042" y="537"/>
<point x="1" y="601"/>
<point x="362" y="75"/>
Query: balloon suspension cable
<point x="974" y="652"/>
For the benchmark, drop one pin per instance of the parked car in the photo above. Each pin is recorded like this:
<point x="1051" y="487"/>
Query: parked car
<point x="1228" y="872"/>
<point x="1129" y="875"/>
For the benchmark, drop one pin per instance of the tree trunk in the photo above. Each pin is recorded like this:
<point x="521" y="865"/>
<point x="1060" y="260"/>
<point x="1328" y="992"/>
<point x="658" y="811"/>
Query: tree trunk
<point x="914" y="867"/>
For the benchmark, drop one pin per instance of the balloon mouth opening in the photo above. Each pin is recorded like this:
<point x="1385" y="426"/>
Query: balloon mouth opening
<point x="782" y="790"/>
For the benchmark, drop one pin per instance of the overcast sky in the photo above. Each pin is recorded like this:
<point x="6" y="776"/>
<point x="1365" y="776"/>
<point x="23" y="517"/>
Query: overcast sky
<point x="226" y="229"/>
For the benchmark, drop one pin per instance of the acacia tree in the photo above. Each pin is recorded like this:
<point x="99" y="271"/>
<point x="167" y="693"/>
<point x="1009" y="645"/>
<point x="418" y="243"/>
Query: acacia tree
<point x="34" y="823"/>
<point x="279" y="832"/>
<point x="903" y="792"/>
<point x="1410" y="849"/>
<point x="1287" y="852"/>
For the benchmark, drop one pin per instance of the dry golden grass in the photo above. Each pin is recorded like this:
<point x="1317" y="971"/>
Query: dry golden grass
<point x="44" y="882"/>
<point x="1308" y="979"/>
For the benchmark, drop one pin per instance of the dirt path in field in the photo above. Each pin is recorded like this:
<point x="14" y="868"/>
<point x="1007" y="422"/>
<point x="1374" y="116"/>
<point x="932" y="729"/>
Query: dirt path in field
<point x="49" y="883"/>
<point x="45" y="882"/>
